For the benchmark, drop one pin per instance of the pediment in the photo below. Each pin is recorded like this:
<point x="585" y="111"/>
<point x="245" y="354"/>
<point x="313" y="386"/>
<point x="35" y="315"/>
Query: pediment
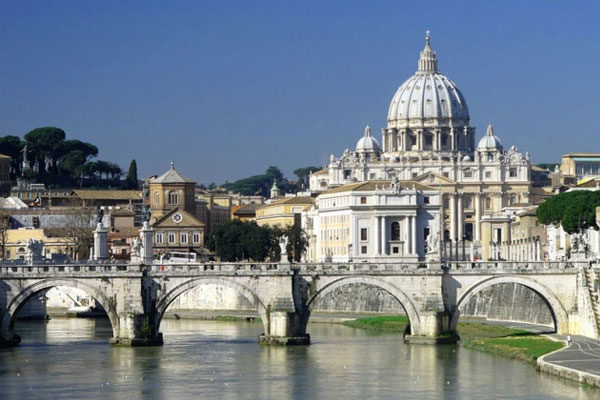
<point x="432" y="179"/>
<point x="177" y="218"/>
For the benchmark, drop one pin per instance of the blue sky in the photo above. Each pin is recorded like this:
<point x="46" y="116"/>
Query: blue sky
<point x="227" y="88"/>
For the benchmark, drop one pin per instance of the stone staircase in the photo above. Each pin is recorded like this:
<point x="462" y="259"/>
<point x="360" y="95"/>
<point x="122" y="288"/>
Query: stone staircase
<point x="590" y="277"/>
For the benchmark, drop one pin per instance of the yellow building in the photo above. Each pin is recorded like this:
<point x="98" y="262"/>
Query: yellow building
<point x="580" y="165"/>
<point x="172" y="190"/>
<point x="174" y="219"/>
<point x="54" y="243"/>
<point x="283" y="212"/>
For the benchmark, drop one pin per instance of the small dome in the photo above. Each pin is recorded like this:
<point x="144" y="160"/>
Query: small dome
<point x="367" y="143"/>
<point x="490" y="141"/>
<point x="467" y="158"/>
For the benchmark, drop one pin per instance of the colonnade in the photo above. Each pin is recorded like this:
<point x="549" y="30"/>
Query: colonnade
<point x="398" y="139"/>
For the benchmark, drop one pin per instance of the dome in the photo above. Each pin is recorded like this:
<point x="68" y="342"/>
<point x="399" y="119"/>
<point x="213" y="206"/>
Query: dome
<point x="490" y="141"/>
<point x="367" y="143"/>
<point x="427" y="94"/>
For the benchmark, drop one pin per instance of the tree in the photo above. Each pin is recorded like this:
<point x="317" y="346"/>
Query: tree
<point x="303" y="174"/>
<point x="297" y="241"/>
<point x="45" y="146"/>
<point x="574" y="210"/>
<point x="239" y="240"/>
<point x="131" y="182"/>
<point x="12" y="146"/>
<point x="78" y="230"/>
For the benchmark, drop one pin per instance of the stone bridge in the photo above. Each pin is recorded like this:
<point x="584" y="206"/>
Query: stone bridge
<point x="136" y="296"/>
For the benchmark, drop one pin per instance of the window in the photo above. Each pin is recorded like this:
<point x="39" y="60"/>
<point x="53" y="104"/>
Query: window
<point x="363" y="250"/>
<point x="488" y="203"/>
<point x="159" y="238"/>
<point x="156" y="198"/>
<point x="347" y="174"/>
<point x="183" y="238"/>
<point x="446" y="202"/>
<point x="446" y="175"/>
<point x="490" y="157"/>
<point x="173" y="197"/>
<point x="512" y="173"/>
<point x="36" y="222"/>
<point x="171" y="237"/>
<point x="414" y="175"/>
<point x="372" y="175"/>
<point x="363" y="234"/>
<point x="395" y="250"/>
<point x="488" y="174"/>
<point x="395" y="230"/>
<point x="468" y="174"/>
<point x="363" y="200"/>
<point x="468" y="202"/>
<point x="196" y="237"/>
<point x="426" y="200"/>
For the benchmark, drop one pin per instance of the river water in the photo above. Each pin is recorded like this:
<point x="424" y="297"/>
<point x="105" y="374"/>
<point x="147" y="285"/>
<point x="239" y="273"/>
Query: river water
<point x="70" y="359"/>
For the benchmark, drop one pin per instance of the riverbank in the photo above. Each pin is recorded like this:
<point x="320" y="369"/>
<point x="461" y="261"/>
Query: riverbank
<point x="494" y="339"/>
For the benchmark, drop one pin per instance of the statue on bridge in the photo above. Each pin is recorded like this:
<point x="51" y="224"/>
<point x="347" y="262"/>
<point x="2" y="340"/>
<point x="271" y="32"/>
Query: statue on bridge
<point x="283" y="242"/>
<point x="433" y="242"/>
<point x="34" y="251"/>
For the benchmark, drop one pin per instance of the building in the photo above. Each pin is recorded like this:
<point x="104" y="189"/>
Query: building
<point x="375" y="221"/>
<point x="283" y="212"/>
<point x="580" y="165"/>
<point x="429" y="140"/>
<point x="245" y="212"/>
<point x="173" y="207"/>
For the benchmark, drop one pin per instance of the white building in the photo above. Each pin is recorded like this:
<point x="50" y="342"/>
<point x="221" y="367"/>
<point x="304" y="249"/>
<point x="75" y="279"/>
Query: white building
<point x="429" y="139"/>
<point x="375" y="221"/>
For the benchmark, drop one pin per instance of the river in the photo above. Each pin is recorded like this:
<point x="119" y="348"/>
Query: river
<point x="70" y="359"/>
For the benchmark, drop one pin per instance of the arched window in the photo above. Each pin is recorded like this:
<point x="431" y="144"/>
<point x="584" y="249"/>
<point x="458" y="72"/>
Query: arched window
<point x="173" y="197"/>
<point x="490" y="157"/>
<point x="395" y="230"/>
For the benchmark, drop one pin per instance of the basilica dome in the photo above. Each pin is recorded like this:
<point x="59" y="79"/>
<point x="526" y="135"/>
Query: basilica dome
<point x="367" y="143"/>
<point x="427" y="95"/>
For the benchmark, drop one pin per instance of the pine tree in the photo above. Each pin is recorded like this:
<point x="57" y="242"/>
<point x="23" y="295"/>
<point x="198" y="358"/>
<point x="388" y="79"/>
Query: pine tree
<point x="132" y="180"/>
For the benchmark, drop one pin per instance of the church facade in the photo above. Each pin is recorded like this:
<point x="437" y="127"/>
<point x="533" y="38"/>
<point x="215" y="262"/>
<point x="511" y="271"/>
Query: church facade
<point x="429" y="140"/>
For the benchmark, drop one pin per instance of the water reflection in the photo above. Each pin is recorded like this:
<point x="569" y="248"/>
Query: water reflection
<point x="70" y="358"/>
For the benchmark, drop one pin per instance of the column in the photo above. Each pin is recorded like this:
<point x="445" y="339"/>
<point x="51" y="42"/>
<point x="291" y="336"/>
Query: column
<point x="453" y="217"/>
<point x="538" y="256"/>
<point x="414" y="235"/>
<point x="405" y="247"/>
<point x="460" y="220"/>
<point x="452" y="139"/>
<point x="383" y="241"/>
<point x="478" y="217"/>
<point x="377" y="236"/>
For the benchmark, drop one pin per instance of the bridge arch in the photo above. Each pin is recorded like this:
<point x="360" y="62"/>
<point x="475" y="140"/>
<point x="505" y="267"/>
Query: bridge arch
<point x="404" y="300"/>
<point x="249" y="294"/>
<point x="558" y="311"/>
<point x="26" y="293"/>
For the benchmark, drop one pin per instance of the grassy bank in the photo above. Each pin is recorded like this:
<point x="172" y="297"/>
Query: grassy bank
<point x="513" y="343"/>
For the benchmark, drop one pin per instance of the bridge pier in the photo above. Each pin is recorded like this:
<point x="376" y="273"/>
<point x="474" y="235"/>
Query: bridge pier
<point x="137" y="329"/>
<point x="285" y="328"/>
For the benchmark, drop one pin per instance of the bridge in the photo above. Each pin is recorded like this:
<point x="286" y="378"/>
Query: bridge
<point x="136" y="296"/>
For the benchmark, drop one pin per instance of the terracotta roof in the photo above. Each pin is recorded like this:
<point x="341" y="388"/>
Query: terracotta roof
<point x="372" y="185"/>
<point x="323" y="171"/>
<point x="291" y="200"/>
<point x="124" y="232"/>
<point x="249" y="209"/>
<point x="172" y="176"/>
<point x="108" y="194"/>
<point x="122" y="212"/>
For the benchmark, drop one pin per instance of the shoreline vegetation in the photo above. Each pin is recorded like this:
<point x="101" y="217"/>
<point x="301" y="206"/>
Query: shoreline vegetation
<point x="493" y="339"/>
